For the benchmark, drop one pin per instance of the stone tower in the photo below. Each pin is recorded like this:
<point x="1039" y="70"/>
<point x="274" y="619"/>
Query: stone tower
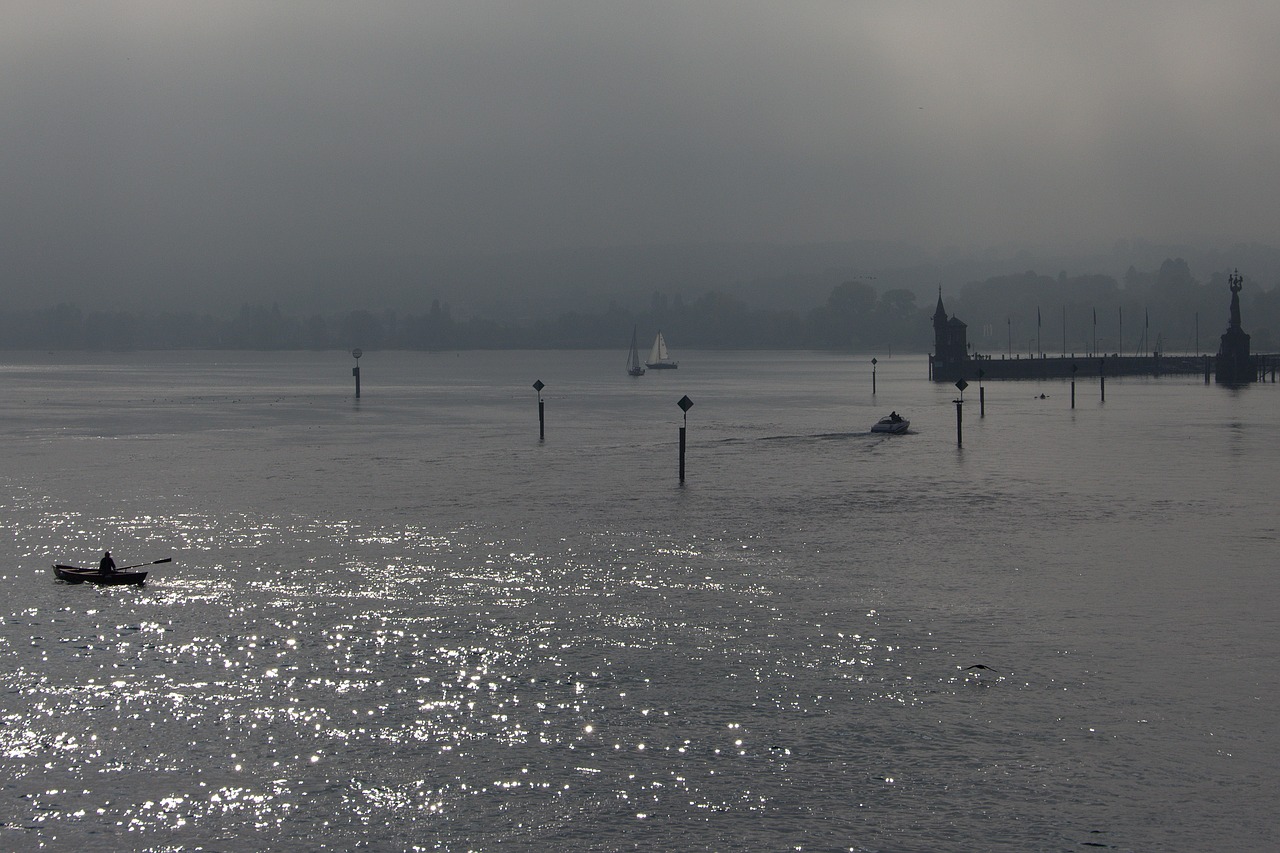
<point x="950" y="344"/>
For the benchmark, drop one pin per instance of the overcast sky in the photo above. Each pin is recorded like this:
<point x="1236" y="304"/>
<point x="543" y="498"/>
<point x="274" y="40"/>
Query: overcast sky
<point x="149" y="141"/>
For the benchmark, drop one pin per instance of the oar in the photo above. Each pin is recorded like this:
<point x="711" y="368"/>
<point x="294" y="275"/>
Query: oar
<point x="140" y="565"/>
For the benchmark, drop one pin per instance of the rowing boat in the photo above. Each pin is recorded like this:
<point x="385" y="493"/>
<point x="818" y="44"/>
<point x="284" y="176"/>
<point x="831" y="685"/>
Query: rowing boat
<point x="76" y="574"/>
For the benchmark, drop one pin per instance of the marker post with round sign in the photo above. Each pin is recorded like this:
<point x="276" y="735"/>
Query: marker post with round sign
<point x="873" y="377"/>
<point x="961" y="384"/>
<point x="685" y="405"/>
<point x="542" y="425"/>
<point x="355" y="371"/>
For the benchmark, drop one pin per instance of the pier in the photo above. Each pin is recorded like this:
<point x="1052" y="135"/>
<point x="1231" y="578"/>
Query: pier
<point x="952" y="360"/>
<point x="1069" y="366"/>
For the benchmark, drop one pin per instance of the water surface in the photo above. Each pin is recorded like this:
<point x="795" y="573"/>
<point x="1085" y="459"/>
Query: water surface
<point x="404" y="622"/>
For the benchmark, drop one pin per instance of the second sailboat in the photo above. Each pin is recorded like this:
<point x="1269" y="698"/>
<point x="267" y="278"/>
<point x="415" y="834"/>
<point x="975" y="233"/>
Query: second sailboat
<point x="659" y="359"/>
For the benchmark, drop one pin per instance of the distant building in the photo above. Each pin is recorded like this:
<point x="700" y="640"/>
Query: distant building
<point x="1234" y="366"/>
<point x="950" y="359"/>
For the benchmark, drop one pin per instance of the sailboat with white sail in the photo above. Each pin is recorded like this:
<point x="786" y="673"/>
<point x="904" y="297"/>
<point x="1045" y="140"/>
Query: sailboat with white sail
<point x="634" y="367"/>
<point x="659" y="359"/>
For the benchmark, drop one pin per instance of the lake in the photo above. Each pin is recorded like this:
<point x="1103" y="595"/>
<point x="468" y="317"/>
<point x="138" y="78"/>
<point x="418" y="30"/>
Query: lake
<point x="403" y="622"/>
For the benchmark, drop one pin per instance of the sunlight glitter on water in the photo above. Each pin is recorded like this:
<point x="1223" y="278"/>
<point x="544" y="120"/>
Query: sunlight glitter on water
<point x="472" y="697"/>
<point x="398" y="643"/>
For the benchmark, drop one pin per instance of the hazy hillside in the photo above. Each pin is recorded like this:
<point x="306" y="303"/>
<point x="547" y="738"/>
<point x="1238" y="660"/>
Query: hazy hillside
<point x="535" y="285"/>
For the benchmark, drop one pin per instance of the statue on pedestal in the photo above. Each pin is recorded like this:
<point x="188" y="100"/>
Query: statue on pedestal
<point x="1234" y="366"/>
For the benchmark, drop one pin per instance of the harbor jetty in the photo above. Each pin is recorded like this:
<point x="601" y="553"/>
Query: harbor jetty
<point x="1068" y="366"/>
<point x="952" y="359"/>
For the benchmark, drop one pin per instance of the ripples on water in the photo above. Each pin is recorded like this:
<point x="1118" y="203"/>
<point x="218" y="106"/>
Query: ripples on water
<point x="430" y="698"/>
<point x="779" y="662"/>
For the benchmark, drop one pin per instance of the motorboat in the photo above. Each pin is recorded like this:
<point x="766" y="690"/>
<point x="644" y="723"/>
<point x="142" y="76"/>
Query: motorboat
<point x="892" y="423"/>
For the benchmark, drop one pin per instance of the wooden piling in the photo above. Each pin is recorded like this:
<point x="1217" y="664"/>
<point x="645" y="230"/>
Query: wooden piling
<point x="682" y="434"/>
<point x="685" y="405"/>
<point x="355" y="371"/>
<point x="542" y="424"/>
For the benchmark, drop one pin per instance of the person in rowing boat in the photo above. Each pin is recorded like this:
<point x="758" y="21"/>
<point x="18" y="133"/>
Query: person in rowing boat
<point x="106" y="566"/>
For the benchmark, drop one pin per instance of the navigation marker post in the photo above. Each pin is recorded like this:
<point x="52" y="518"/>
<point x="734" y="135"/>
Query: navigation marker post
<point x="873" y="377"/>
<point x="1074" y="368"/>
<point x="355" y="371"/>
<point x="542" y="431"/>
<point x="685" y="405"/>
<point x="961" y="384"/>
<point x="982" y="395"/>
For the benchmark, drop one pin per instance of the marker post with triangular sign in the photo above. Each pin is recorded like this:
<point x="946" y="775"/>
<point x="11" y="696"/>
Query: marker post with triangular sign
<point x="961" y="384"/>
<point x="685" y="405"/>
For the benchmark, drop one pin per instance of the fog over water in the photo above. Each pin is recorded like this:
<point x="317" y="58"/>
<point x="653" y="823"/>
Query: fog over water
<point x="405" y="621"/>
<point x="195" y="154"/>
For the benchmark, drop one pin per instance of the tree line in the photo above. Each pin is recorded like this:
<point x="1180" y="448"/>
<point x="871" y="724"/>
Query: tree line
<point x="1166" y="309"/>
<point x="1162" y="309"/>
<point x="854" y="317"/>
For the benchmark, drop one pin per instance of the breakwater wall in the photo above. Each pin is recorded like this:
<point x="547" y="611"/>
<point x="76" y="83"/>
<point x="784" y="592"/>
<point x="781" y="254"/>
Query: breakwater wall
<point x="1066" y="367"/>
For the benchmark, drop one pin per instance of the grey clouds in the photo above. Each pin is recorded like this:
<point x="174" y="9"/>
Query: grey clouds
<point x="184" y="152"/>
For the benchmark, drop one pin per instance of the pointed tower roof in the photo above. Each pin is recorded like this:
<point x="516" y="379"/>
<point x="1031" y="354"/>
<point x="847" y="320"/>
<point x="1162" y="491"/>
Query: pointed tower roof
<point x="940" y="313"/>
